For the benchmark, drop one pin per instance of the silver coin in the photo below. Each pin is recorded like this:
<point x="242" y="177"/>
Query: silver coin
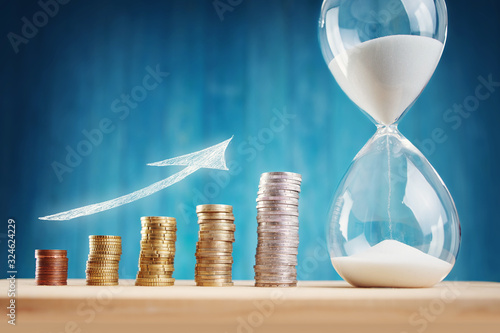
<point x="274" y="218"/>
<point x="277" y="216"/>
<point x="277" y="192"/>
<point x="277" y="198"/>
<point x="278" y="232"/>
<point x="274" y="195"/>
<point x="290" y="259"/>
<point x="278" y="247"/>
<point x="275" y="267"/>
<point x="279" y="208"/>
<point x="278" y="220"/>
<point x="263" y="205"/>
<point x="264" y="248"/>
<point x="274" y="257"/>
<point x="266" y="235"/>
<point x="265" y="253"/>
<point x="275" y="284"/>
<point x="281" y="174"/>
<point x="283" y="256"/>
<point x="278" y="229"/>
<point x="280" y="187"/>
<point x="272" y="181"/>
<point x="270" y="276"/>
<point x="276" y="264"/>
<point x="283" y="233"/>
<point x="282" y="199"/>
<point x="268" y="212"/>
<point x="287" y="277"/>
<point x="272" y="280"/>
<point x="266" y="178"/>
<point x="275" y="273"/>
<point x="275" y="270"/>
<point x="270" y="242"/>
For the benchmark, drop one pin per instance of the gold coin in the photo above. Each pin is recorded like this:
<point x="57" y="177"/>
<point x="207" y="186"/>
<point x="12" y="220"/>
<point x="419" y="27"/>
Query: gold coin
<point x="104" y="256"/>
<point x="217" y="227"/>
<point x="214" y="284"/>
<point x="101" y="270"/>
<point x="101" y="265"/>
<point x="155" y="279"/>
<point x="102" y="278"/>
<point x="216" y="216"/>
<point x="216" y="244"/>
<point x="154" y="284"/>
<point x="147" y="275"/>
<point x="147" y="244"/>
<point x="164" y="261"/>
<point x="214" y="208"/>
<point x="105" y="241"/>
<point x="222" y="280"/>
<point x="156" y="270"/>
<point x="159" y="228"/>
<point x="215" y="254"/>
<point x="158" y="266"/>
<point x="201" y="264"/>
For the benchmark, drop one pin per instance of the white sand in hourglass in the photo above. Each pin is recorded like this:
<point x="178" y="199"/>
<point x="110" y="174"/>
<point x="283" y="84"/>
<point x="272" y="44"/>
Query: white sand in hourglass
<point x="392" y="264"/>
<point x="384" y="76"/>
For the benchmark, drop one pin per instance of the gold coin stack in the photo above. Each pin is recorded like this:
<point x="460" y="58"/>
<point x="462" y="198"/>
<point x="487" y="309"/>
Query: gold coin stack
<point x="156" y="261"/>
<point x="104" y="258"/>
<point x="215" y="246"/>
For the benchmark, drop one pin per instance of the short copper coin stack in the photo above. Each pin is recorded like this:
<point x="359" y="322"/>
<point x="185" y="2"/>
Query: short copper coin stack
<point x="215" y="246"/>
<point x="51" y="268"/>
<point x="156" y="260"/>
<point x="104" y="258"/>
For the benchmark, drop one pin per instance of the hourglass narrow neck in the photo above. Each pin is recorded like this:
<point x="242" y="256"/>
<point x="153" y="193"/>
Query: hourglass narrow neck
<point x="387" y="129"/>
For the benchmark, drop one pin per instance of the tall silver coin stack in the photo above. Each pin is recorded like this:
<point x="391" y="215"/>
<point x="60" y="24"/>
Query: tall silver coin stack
<point x="278" y="229"/>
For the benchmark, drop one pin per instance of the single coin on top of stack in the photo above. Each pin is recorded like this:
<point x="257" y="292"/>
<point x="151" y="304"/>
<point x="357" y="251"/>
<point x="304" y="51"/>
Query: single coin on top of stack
<point x="104" y="259"/>
<point x="51" y="268"/>
<point x="156" y="260"/>
<point x="278" y="229"/>
<point x="215" y="246"/>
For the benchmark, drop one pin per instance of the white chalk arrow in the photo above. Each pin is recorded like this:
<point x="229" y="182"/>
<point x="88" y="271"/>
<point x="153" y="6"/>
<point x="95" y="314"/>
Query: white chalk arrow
<point x="211" y="158"/>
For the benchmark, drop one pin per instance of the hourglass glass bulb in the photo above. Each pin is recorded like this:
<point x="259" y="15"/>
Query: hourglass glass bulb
<point x="383" y="52"/>
<point x="393" y="222"/>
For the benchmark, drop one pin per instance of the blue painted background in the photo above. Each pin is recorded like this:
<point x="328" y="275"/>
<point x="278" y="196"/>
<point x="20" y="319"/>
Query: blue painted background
<point x="225" y="77"/>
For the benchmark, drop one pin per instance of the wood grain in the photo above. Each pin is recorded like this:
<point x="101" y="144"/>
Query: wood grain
<point x="314" y="305"/>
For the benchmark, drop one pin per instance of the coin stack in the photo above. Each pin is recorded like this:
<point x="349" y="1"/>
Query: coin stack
<point x="278" y="229"/>
<point x="104" y="258"/>
<point x="156" y="260"/>
<point x="215" y="246"/>
<point x="51" y="267"/>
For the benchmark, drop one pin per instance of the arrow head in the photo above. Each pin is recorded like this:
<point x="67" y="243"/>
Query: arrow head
<point x="211" y="158"/>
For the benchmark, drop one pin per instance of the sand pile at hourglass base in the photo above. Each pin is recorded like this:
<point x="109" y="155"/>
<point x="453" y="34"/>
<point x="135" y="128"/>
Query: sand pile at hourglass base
<point x="392" y="264"/>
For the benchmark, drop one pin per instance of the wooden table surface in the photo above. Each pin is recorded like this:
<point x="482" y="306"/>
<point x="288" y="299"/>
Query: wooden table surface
<point x="319" y="306"/>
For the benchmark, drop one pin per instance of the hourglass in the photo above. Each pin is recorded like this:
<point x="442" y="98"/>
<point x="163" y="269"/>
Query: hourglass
<point x="392" y="221"/>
